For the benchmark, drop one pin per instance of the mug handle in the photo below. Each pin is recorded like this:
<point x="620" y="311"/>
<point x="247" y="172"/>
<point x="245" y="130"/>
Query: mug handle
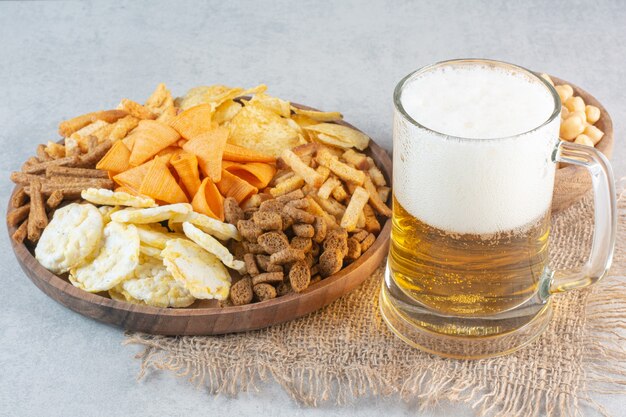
<point x="605" y="218"/>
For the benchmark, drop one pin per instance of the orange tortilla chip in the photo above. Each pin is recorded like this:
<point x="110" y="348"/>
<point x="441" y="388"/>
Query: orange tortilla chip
<point x="168" y="153"/>
<point x="150" y="137"/>
<point x="160" y="184"/>
<point x="133" y="177"/>
<point x="240" y="154"/>
<point x="186" y="165"/>
<point x="129" y="141"/>
<point x="233" y="186"/>
<point x="116" y="159"/>
<point x="209" y="148"/>
<point x="257" y="174"/>
<point x="194" y="121"/>
<point x="208" y="200"/>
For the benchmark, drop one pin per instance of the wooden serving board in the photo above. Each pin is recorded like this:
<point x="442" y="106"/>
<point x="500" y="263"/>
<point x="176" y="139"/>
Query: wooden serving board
<point x="571" y="182"/>
<point x="203" y="317"/>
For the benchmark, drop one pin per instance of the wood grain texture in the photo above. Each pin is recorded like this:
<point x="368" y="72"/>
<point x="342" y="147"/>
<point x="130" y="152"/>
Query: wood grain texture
<point x="203" y="317"/>
<point x="571" y="182"/>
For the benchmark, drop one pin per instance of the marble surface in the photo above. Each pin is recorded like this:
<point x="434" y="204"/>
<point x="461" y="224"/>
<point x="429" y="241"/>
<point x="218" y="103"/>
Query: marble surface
<point x="61" y="59"/>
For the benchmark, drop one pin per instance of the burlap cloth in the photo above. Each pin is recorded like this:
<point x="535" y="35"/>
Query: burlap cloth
<point x="345" y="351"/>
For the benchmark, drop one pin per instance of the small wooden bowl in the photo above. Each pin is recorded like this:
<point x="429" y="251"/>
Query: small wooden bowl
<point x="206" y="317"/>
<point x="571" y="182"/>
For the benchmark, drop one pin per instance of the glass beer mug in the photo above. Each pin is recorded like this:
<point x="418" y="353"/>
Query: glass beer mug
<point x="475" y="148"/>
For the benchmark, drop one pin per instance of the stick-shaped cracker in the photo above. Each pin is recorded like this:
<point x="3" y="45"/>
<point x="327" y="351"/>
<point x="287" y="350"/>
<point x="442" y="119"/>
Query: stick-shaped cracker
<point x="355" y="207"/>
<point x="14" y="217"/>
<point x="20" y="233"/>
<point x="303" y="170"/>
<point x="375" y="200"/>
<point x="37" y="218"/>
<point x="343" y="171"/>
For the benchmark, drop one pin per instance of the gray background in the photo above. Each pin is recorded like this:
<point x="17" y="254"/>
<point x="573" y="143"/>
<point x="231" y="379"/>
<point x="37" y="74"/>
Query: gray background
<point x="61" y="59"/>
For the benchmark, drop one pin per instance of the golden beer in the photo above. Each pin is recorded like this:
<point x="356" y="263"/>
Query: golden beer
<point x="466" y="274"/>
<point x="475" y="146"/>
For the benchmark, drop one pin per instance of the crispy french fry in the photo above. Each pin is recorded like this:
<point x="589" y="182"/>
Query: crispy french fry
<point x="67" y="127"/>
<point x="41" y="153"/>
<point x="383" y="193"/>
<point x="375" y="200"/>
<point x="323" y="171"/>
<point x="371" y="222"/>
<point x="357" y="159"/>
<point x="331" y="206"/>
<point x="343" y="171"/>
<point x="290" y="184"/>
<point x="306" y="149"/>
<point x="122" y="127"/>
<point x="135" y="109"/>
<point x="339" y="193"/>
<point x="55" y="150"/>
<point x="377" y="176"/>
<point x="300" y="168"/>
<point x="361" y="221"/>
<point x="327" y="188"/>
<point x="355" y="208"/>
<point x="317" y="210"/>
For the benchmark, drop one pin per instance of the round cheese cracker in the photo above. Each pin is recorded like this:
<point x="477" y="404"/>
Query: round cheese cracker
<point x="211" y="245"/>
<point x="116" y="260"/>
<point x="155" y="286"/>
<point x="221" y="230"/>
<point x="201" y="272"/>
<point x="72" y="236"/>
<point x="151" y="215"/>
<point x="106" y="197"/>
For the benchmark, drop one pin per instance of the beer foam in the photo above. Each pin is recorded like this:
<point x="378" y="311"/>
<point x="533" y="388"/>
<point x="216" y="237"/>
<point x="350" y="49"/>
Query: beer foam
<point x="477" y="101"/>
<point x="478" y="186"/>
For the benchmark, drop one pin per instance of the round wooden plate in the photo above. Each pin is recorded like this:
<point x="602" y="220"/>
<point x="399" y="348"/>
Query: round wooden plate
<point x="205" y="317"/>
<point x="571" y="182"/>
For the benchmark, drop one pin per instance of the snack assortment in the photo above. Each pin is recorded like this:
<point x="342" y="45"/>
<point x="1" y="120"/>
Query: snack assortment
<point x="318" y="215"/>
<point x="224" y="193"/>
<point x="577" y="118"/>
<point x="49" y="178"/>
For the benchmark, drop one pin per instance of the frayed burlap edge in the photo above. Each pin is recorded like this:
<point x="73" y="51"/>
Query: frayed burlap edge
<point x="595" y="361"/>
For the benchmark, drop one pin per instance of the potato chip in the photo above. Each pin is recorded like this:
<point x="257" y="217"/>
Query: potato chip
<point x="226" y="111"/>
<point x="72" y="235"/>
<point x="278" y="106"/>
<point x="201" y="272"/>
<point x="194" y="121"/>
<point x="319" y="116"/>
<point x="258" y="128"/>
<point x="151" y="215"/>
<point x="106" y="197"/>
<point x="342" y="134"/>
<point x="153" y="285"/>
<point x="221" y="230"/>
<point x="215" y="95"/>
<point x="115" y="261"/>
<point x="329" y="140"/>
<point x="211" y="245"/>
